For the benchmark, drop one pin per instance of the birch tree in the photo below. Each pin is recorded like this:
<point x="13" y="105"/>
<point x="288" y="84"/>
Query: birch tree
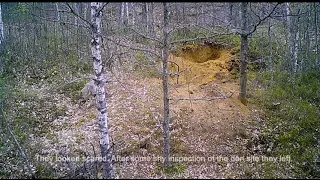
<point x="96" y="43"/>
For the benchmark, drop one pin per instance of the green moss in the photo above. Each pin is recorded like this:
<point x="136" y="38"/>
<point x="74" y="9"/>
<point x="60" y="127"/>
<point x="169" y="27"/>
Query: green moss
<point x="44" y="171"/>
<point x="81" y="122"/>
<point x="175" y="169"/>
<point x="92" y="116"/>
<point x="269" y="170"/>
<point x="80" y="138"/>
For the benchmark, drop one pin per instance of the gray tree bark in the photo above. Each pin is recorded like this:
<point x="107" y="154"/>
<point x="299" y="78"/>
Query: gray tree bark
<point x="231" y="12"/>
<point x="316" y="32"/>
<point x="290" y="34"/>
<point x="270" y="51"/>
<point x="244" y="54"/>
<point x="151" y="22"/>
<point x="166" y="115"/>
<point x="1" y="27"/>
<point x="96" y="43"/>
<point x="1" y="41"/>
<point x="295" y="50"/>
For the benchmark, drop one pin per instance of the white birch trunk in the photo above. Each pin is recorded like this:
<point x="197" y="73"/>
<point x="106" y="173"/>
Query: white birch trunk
<point x="295" y="52"/>
<point x="122" y="12"/>
<point x="133" y="18"/>
<point x="127" y="13"/>
<point x="289" y="40"/>
<point x="101" y="102"/>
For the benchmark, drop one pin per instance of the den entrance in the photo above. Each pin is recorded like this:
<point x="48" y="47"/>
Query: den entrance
<point x="200" y="63"/>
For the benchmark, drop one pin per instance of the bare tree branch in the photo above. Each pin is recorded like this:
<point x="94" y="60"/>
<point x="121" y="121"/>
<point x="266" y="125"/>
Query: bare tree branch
<point x="54" y="20"/>
<point x="145" y="36"/>
<point x="261" y="20"/>
<point x="134" y="48"/>
<point x="102" y="7"/>
<point x="254" y="12"/>
<point x="73" y="12"/>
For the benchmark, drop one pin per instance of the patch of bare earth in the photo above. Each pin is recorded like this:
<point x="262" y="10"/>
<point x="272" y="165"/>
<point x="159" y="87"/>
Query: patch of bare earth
<point x="208" y="137"/>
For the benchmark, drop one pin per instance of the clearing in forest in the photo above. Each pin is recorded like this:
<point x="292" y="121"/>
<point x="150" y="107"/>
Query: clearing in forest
<point x="207" y="135"/>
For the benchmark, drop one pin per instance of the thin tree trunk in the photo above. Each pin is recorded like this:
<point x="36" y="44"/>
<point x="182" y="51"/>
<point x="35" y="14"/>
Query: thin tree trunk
<point x="147" y="17"/>
<point x="96" y="44"/>
<point x="133" y="17"/>
<point x="197" y="14"/>
<point x="183" y="13"/>
<point x="316" y="31"/>
<point x="153" y="33"/>
<point x="1" y="42"/>
<point x="1" y="27"/>
<point x="213" y="14"/>
<point x="122" y="13"/>
<point x="144" y="17"/>
<point x="165" y="55"/>
<point x="77" y="9"/>
<point x="295" y="50"/>
<point x="231" y="12"/>
<point x="61" y="27"/>
<point x="270" y="52"/>
<point x="290" y="34"/>
<point x="127" y="14"/>
<point x="304" y="61"/>
<point x="244" y="54"/>
<point x="295" y="40"/>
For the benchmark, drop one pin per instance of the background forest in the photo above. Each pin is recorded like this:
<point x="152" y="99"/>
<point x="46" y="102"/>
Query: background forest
<point x="234" y="88"/>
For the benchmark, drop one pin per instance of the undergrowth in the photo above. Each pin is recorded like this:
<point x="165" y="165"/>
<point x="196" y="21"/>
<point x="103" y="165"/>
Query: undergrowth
<point x="293" y="110"/>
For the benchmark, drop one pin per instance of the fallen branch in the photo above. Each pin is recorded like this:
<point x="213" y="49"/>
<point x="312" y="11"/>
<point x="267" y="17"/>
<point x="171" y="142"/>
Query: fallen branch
<point x="197" y="99"/>
<point x="145" y="141"/>
<point x="200" y="99"/>
<point x="23" y="154"/>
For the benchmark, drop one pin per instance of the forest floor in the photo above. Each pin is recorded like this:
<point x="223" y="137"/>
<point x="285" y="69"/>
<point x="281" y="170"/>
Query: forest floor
<point x="212" y="136"/>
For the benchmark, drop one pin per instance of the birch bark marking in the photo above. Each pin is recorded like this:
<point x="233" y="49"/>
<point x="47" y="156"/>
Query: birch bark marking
<point x="165" y="55"/>
<point x="96" y="43"/>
